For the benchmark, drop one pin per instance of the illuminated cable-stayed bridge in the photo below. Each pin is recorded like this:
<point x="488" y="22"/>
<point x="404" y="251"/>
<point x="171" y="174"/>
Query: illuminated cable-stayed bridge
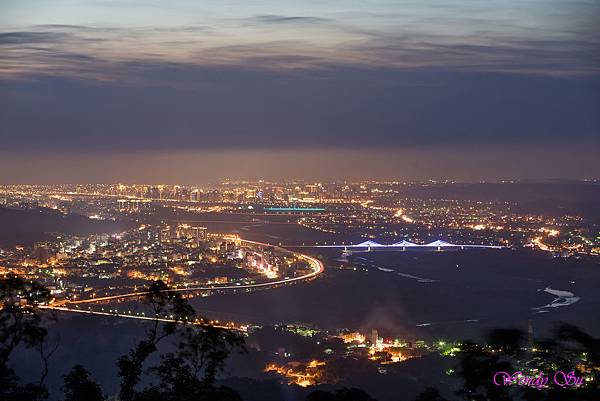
<point x="405" y="245"/>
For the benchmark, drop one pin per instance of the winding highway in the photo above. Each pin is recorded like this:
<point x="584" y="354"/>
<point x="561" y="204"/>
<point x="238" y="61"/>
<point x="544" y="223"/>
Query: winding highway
<point x="317" y="268"/>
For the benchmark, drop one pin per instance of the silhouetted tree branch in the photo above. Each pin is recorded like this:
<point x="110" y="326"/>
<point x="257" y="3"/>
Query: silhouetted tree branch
<point x="79" y="386"/>
<point x="21" y="324"/>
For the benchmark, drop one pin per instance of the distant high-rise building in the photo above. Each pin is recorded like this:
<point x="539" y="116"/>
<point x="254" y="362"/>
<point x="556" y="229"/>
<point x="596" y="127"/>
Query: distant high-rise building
<point x="153" y="193"/>
<point x="41" y="254"/>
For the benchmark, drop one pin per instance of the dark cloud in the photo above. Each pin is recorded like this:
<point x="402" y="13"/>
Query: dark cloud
<point x="24" y="38"/>
<point x="551" y="56"/>
<point x="279" y="19"/>
<point x="511" y="54"/>
<point x="63" y="27"/>
<point x="160" y="106"/>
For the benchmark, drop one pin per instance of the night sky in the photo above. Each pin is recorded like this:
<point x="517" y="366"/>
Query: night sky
<point x="190" y="92"/>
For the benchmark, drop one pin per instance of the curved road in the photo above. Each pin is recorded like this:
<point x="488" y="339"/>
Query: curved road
<point x="317" y="268"/>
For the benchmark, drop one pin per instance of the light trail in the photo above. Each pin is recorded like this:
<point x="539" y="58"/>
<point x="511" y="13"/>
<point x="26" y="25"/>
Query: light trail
<point x="317" y="268"/>
<point x="538" y="242"/>
<point x="197" y="322"/>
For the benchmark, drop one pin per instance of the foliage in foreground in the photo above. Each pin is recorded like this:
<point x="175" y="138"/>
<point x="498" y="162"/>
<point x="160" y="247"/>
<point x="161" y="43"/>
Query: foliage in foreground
<point x="189" y="372"/>
<point x="506" y="350"/>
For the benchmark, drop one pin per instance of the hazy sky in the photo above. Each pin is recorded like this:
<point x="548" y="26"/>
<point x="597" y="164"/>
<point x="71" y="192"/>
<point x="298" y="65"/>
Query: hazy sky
<point x="189" y="91"/>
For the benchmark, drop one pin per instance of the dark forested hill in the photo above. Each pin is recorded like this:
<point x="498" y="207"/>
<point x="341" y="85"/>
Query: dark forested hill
<point x="25" y="226"/>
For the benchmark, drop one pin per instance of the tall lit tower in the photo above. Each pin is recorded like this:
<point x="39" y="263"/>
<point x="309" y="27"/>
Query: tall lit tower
<point x="374" y="337"/>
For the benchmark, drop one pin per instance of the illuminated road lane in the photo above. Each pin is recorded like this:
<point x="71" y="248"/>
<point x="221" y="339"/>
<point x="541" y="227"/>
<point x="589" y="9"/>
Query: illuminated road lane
<point x="197" y="322"/>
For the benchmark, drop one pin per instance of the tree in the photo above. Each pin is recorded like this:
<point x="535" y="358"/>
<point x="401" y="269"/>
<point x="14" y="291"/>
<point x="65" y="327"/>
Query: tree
<point x="204" y="350"/>
<point x="79" y="386"/>
<point x="163" y="303"/>
<point x="568" y="350"/>
<point x="20" y="317"/>
<point x="190" y="372"/>
<point x="21" y="324"/>
<point x="187" y="374"/>
<point x="477" y="366"/>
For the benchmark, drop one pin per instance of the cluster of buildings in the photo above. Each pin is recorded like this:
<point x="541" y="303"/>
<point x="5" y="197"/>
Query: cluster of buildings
<point x="321" y="364"/>
<point x="75" y="267"/>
